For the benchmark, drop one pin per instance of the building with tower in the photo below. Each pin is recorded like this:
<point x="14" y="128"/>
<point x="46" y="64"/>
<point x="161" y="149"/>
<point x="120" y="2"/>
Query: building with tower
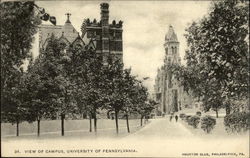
<point x="103" y="37"/>
<point x="168" y="92"/>
<point x="106" y="37"/>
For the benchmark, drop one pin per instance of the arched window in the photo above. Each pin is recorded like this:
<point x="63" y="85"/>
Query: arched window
<point x="175" y="50"/>
<point x="172" y="50"/>
<point x="166" y="51"/>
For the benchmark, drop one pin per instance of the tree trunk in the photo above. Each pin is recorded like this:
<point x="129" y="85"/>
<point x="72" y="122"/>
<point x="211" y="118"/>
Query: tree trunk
<point x="90" y="122"/>
<point x="228" y="109"/>
<point x="108" y="116"/>
<point x="38" y="126"/>
<point x="17" y="127"/>
<point x="62" y="124"/>
<point x="127" y="123"/>
<point x="216" y="110"/>
<point x="141" y="119"/>
<point x="95" y="122"/>
<point x="84" y="116"/>
<point x="116" y="121"/>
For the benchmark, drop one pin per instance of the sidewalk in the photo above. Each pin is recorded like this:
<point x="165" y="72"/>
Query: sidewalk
<point x="162" y="128"/>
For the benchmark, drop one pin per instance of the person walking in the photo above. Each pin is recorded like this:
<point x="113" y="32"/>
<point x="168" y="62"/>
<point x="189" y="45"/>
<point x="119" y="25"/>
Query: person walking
<point x="176" y="118"/>
<point x="171" y="116"/>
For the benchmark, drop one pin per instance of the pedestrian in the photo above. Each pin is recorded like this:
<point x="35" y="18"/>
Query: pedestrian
<point x="171" y="116"/>
<point x="176" y="118"/>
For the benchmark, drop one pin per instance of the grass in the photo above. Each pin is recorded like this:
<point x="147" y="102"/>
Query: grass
<point x="52" y="128"/>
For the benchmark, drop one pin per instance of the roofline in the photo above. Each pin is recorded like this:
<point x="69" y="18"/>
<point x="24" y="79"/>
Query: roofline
<point x="93" y="27"/>
<point x="50" y="26"/>
<point x="78" y="37"/>
<point x="99" y="27"/>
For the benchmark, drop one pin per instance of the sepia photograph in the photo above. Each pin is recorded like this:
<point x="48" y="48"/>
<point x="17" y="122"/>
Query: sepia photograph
<point x="125" y="78"/>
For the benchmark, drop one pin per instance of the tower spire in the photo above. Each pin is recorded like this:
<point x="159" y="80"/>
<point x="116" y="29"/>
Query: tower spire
<point x="68" y="15"/>
<point x="171" y="36"/>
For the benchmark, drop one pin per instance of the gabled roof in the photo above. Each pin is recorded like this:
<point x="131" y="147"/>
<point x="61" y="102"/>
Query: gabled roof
<point x="64" y="39"/>
<point x="171" y="36"/>
<point x="78" y="40"/>
<point x="69" y="32"/>
<point x="67" y="29"/>
<point x="92" y="44"/>
<point x="45" y="31"/>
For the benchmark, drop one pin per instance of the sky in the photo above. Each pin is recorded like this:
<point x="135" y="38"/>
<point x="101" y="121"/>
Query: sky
<point x="145" y="26"/>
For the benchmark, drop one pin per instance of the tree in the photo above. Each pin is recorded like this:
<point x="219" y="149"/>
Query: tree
<point x="118" y="89"/>
<point x="113" y="78"/>
<point x="56" y="83"/>
<point x="93" y="86"/>
<point x="37" y="103"/>
<point x="19" y="22"/>
<point x="218" y="50"/>
<point x="14" y="110"/>
<point x="128" y="90"/>
<point x="85" y="71"/>
<point x="144" y="106"/>
<point x="18" y="25"/>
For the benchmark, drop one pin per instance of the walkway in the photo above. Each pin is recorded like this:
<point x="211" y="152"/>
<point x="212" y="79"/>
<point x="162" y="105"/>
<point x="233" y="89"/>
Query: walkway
<point x="163" y="128"/>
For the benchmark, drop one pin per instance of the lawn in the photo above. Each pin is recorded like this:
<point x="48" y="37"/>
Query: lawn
<point x="72" y="127"/>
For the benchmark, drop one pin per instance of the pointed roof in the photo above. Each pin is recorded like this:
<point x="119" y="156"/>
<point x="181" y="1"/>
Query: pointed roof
<point x="78" y="40"/>
<point x="171" y="36"/>
<point x="69" y="32"/>
<point x="92" y="44"/>
<point x="64" y="39"/>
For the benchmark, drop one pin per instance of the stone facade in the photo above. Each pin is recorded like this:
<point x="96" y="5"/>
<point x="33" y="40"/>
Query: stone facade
<point x="104" y="38"/>
<point x="168" y="91"/>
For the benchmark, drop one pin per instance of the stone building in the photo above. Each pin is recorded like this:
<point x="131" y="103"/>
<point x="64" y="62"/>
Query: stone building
<point x="168" y="91"/>
<point x="103" y="37"/>
<point x="66" y="34"/>
<point x="106" y="37"/>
